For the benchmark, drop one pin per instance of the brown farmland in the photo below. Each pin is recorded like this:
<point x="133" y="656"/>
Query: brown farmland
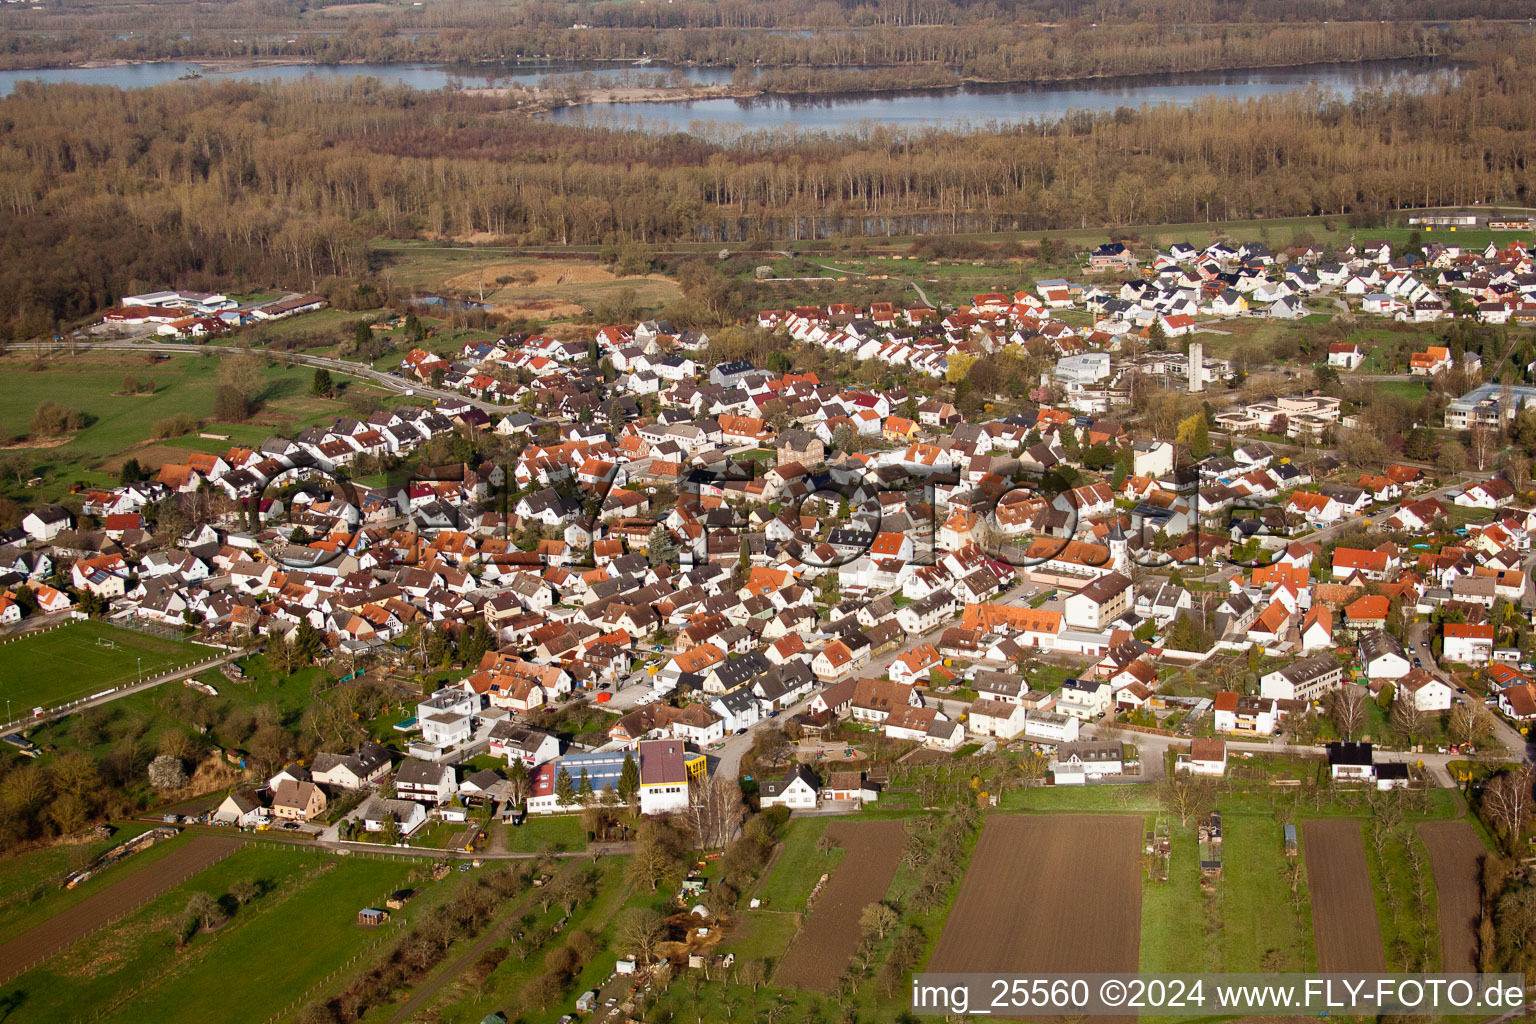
<point x="1455" y="853"/>
<point x="1050" y="893"/>
<point x="830" y="935"/>
<point x="1343" y="904"/>
<point x="70" y="926"/>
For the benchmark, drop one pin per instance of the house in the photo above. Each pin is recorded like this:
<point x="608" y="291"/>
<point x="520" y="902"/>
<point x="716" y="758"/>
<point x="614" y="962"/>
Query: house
<point x="1100" y="602"/>
<point x="1345" y="355"/>
<point x="1367" y="614"/>
<point x="241" y="808"/>
<point x="407" y="815"/>
<point x="996" y="718"/>
<point x="846" y="787"/>
<point x="1305" y="680"/>
<point x="1429" y="362"/>
<point x="667" y="769"/>
<point x="1383" y="656"/>
<point x="1205" y="757"/>
<point x="354" y="771"/>
<point x="1467" y="644"/>
<point x="1246" y="715"/>
<point x="515" y="742"/>
<point x="799" y="789"/>
<point x="297" y="801"/>
<point x="426" y="781"/>
<point x="799" y="446"/>
<point x="873" y="700"/>
<point x="1080" y="761"/>
<point x="1084" y="699"/>
<point x="446" y="717"/>
<point x="928" y="726"/>
<point x="45" y="523"/>
<point x="1427" y="693"/>
<point x="1350" y="762"/>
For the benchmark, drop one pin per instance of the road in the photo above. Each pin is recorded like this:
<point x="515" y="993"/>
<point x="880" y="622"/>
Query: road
<point x="1154" y="747"/>
<point x="1327" y="532"/>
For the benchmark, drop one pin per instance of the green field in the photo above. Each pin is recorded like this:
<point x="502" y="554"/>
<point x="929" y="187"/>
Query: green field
<point x="30" y="882"/>
<point x="799" y="865"/>
<point x="50" y="667"/>
<point x="562" y="832"/>
<point x="270" y="953"/>
<point x="1412" y="390"/>
<point x="119" y="425"/>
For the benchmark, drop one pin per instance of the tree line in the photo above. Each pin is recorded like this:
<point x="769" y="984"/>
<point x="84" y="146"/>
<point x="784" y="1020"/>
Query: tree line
<point x="236" y="185"/>
<point x="1001" y="50"/>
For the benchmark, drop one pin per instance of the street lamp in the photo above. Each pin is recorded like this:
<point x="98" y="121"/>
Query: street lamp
<point x="141" y="668"/>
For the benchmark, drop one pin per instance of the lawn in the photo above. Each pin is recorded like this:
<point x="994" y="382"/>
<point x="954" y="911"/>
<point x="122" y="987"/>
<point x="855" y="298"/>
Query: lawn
<point x="154" y="710"/>
<point x="799" y="865"/>
<point x="52" y="666"/>
<point x="1175" y="933"/>
<point x="563" y="832"/>
<point x="132" y="971"/>
<point x="242" y="976"/>
<point x="1257" y="914"/>
<point x="1412" y="390"/>
<point x="118" y="425"/>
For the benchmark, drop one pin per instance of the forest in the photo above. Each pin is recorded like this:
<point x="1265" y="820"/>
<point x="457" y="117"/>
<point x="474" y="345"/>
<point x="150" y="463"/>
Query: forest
<point x="234" y="185"/>
<point x="983" y="41"/>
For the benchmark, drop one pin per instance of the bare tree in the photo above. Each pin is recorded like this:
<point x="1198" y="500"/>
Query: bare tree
<point x="878" y="919"/>
<point x="1407" y="720"/>
<point x="1483" y="444"/>
<point x="1346" y="706"/>
<point x="1507" y="802"/>
<point x="1470" y="723"/>
<point x="1187" y="794"/>
<point x="715" y="811"/>
<point x="641" y="929"/>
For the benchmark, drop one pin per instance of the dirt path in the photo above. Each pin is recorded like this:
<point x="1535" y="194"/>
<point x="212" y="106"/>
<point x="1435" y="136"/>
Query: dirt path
<point x="427" y="991"/>
<point x="1455" y="854"/>
<point x="66" y="928"/>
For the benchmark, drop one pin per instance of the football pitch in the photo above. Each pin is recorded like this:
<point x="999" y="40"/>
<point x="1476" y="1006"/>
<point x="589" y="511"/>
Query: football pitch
<point x="52" y="666"/>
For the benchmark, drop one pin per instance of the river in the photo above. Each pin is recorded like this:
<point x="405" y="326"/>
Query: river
<point x="975" y="105"/>
<point x="994" y="104"/>
<point x="427" y="77"/>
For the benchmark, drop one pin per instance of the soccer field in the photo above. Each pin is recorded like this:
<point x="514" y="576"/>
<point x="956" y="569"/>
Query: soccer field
<point x="53" y="666"/>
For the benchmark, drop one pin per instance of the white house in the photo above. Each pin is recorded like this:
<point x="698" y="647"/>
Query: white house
<point x="426" y="781"/>
<point x="408" y="814"/>
<point x="1250" y="716"/>
<point x="1466" y="644"/>
<point x="447" y="717"/>
<point x="1205" y="757"/>
<point x="798" y="790"/>
<point x="1427" y="693"/>
<point x="44" y="524"/>
<point x="241" y="808"/>
<point x="1077" y="762"/>
<point x="1085" y="699"/>
<point x="1383" y="656"/>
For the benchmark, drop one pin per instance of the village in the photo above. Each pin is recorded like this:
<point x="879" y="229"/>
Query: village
<point x="618" y="572"/>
